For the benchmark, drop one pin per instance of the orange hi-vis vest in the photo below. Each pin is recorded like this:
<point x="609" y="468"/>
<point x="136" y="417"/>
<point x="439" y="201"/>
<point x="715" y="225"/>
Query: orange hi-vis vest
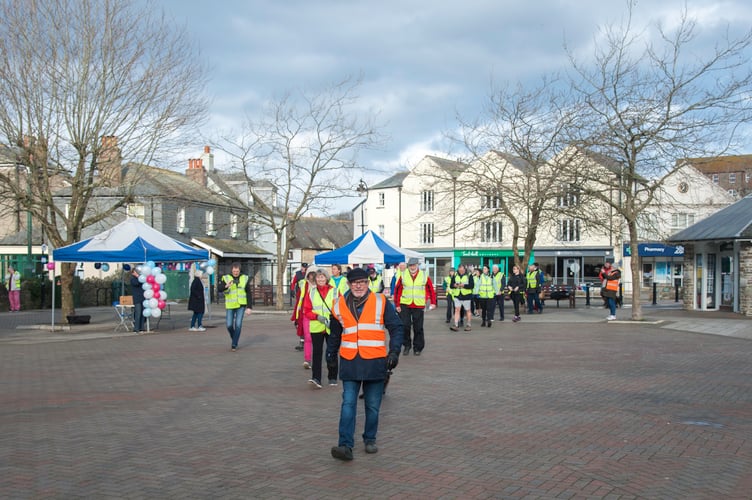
<point x="612" y="284"/>
<point x="366" y="336"/>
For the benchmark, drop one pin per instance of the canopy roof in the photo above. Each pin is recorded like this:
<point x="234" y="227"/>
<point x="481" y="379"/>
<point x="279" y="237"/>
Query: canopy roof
<point x="129" y="241"/>
<point x="367" y="248"/>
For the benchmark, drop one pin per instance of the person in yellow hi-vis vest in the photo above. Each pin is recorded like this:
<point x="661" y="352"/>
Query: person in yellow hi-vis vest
<point x="317" y="307"/>
<point x="13" y="284"/>
<point x="237" y="290"/>
<point x="414" y="290"/>
<point x="485" y="296"/>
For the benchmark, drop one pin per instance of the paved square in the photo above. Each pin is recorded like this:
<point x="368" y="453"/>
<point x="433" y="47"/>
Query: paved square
<point x="538" y="409"/>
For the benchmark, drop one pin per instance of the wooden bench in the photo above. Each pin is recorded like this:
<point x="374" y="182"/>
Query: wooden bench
<point x="263" y="294"/>
<point x="559" y="292"/>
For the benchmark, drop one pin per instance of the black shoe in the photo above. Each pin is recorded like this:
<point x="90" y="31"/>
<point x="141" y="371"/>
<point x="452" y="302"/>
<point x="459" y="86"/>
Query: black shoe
<point x="407" y="350"/>
<point x="489" y="324"/>
<point x="416" y="353"/>
<point x="453" y="328"/>
<point x="483" y="324"/>
<point x="447" y="321"/>
<point x="371" y="448"/>
<point x="298" y="347"/>
<point x="342" y="453"/>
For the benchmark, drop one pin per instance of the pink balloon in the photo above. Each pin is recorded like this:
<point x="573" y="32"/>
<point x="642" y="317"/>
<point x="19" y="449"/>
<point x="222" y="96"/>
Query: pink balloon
<point x="50" y="266"/>
<point x="150" y="279"/>
<point x="161" y="304"/>
<point x="155" y="287"/>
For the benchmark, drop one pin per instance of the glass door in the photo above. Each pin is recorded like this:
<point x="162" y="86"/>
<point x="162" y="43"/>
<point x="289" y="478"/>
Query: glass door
<point x="727" y="281"/>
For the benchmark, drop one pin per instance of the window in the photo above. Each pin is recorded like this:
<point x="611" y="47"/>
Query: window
<point x="234" y="231"/>
<point x="732" y="178"/>
<point x="181" y="227"/>
<point x="426" y="201"/>
<point x="381" y="230"/>
<point x="569" y="230"/>
<point x="382" y="200"/>
<point x="492" y="201"/>
<point x="135" y="210"/>
<point x="567" y="196"/>
<point x="426" y="233"/>
<point x="490" y="231"/>
<point x="253" y="232"/>
<point x="715" y="178"/>
<point x="210" y="223"/>
<point x="732" y="192"/>
<point x="747" y="177"/>
<point x="681" y="221"/>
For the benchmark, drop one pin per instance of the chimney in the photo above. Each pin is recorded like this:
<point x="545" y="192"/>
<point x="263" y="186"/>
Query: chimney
<point x="109" y="162"/>
<point x="196" y="171"/>
<point x="208" y="158"/>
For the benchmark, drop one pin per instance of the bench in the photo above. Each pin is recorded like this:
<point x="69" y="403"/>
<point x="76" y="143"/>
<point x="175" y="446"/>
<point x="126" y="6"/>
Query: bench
<point x="263" y="294"/>
<point x="560" y="292"/>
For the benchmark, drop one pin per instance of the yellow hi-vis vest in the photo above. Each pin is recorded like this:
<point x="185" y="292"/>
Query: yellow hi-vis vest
<point x="235" y="296"/>
<point x="533" y="281"/>
<point x="16" y="283"/>
<point x="342" y="286"/>
<point x="366" y="336"/>
<point x="486" y="289"/>
<point x="413" y="290"/>
<point x="498" y="278"/>
<point x="299" y="306"/>
<point x="374" y="285"/>
<point x="321" y="306"/>
<point x="463" y="293"/>
<point x="451" y="292"/>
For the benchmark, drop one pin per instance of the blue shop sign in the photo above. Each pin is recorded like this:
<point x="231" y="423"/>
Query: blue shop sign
<point x="655" y="250"/>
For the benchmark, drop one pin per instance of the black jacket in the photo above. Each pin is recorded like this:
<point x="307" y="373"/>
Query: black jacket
<point x="196" y="299"/>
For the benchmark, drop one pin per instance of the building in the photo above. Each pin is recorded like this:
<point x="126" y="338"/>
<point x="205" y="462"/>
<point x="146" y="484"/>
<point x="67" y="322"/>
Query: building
<point x="718" y="260"/>
<point x="732" y="173"/>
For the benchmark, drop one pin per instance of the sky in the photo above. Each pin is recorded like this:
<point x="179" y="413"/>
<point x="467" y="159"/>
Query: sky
<point x="423" y="62"/>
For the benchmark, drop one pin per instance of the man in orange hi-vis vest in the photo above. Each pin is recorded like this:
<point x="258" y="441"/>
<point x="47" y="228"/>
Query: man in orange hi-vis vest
<point x="359" y="322"/>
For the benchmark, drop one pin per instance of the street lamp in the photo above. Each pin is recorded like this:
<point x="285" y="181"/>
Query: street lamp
<point x="362" y="190"/>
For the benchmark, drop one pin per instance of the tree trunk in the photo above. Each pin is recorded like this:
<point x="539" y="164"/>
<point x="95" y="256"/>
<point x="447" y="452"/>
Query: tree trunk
<point x="67" y="271"/>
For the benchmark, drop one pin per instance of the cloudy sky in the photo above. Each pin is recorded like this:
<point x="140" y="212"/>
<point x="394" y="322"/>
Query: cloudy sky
<point x="422" y="61"/>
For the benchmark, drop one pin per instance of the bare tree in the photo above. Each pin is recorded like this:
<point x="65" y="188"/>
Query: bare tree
<point x="649" y="103"/>
<point x="81" y="80"/>
<point x="306" y="145"/>
<point x="514" y="148"/>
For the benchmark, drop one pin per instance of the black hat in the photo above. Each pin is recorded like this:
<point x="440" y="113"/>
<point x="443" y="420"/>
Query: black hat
<point x="304" y="264"/>
<point x="357" y="274"/>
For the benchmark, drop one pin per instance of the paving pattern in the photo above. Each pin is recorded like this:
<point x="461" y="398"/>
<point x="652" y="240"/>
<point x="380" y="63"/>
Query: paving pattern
<point x="560" y="405"/>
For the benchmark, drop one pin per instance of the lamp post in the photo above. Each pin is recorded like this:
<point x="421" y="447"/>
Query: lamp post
<point x="362" y="190"/>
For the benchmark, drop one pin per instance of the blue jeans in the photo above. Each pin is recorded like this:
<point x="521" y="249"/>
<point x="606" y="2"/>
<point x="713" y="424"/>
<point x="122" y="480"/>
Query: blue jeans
<point x="611" y="305"/>
<point x="533" y="298"/>
<point x="234" y="322"/>
<point x="196" y="319"/>
<point x="373" y="390"/>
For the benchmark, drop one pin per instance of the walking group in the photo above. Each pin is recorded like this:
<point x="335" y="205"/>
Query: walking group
<point x="343" y="321"/>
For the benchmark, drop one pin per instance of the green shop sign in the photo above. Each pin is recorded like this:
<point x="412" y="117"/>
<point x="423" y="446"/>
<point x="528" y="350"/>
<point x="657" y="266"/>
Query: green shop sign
<point x="484" y="253"/>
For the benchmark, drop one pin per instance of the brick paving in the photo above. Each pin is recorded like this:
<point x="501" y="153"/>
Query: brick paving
<point x="560" y="405"/>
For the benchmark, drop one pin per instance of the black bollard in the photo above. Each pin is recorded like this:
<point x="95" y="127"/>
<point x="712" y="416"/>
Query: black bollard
<point x="676" y="293"/>
<point x="587" y="295"/>
<point x="655" y="292"/>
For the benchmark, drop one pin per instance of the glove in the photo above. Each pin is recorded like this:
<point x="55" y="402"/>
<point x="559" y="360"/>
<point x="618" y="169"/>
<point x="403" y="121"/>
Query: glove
<point x="331" y="361"/>
<point x="322" y="318"/>
<point x="392" y="360"/>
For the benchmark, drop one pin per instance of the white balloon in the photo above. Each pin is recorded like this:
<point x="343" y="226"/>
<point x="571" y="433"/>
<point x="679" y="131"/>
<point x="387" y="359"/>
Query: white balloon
<point x="163" y="295"/>
<point x="138" y="269"/>
<point x="147" y="312"/>
<point x="148" y="294"/>
<point x="156" y="271"/>
<point x="153" y="303"/>
<point x="156" y="312"/>
<point x="141" y="278"/>
<point x="160" y="278"/>
<point x="209" y="270"/>
<point x="145" y="270"/>
<point x="146" y="286"/>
